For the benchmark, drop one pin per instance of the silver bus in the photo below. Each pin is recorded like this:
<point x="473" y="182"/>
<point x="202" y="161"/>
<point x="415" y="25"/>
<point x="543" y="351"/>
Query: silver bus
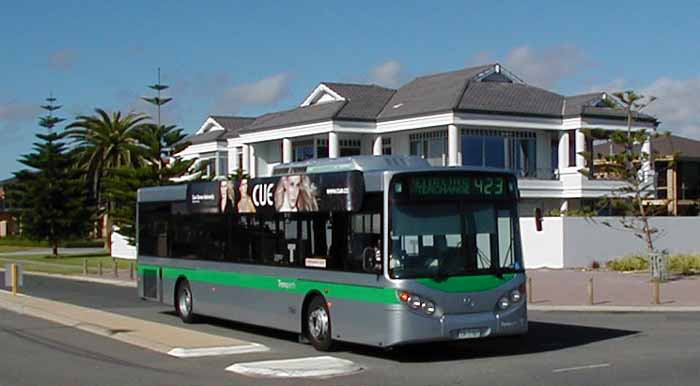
<point x="377" y="250"/>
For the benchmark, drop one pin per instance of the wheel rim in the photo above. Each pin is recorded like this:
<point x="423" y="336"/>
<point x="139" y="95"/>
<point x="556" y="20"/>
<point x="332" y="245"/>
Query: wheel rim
<point x="185" y="302"/>
<point x="318" y="323"/>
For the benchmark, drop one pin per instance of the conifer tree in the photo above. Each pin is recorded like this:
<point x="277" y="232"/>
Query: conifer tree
<point x="51" y="194"/>
<point x="157" y="145"/>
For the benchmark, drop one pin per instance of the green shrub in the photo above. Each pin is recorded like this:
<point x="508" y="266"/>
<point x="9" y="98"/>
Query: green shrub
<point x="684" y="264"/>
<point x="629" y="263"/>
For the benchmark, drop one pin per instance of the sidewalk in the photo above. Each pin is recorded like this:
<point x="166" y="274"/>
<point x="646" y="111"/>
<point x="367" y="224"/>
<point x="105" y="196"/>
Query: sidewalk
<point x="175" y="341"/>
<point x="566" y="287"/>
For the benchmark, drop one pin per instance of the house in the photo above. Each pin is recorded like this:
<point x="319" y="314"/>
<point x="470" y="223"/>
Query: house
<point x="8" y="219"/>
<point x="477" y="116"/>
<point x="677" y="166"/>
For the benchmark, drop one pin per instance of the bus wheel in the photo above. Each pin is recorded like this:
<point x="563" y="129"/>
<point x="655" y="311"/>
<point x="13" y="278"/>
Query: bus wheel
<point x="318" y="324"/>
<point x="184" y="302"/>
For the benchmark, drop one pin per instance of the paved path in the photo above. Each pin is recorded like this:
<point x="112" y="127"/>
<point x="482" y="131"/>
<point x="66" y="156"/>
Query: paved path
<point x="570" y="287"/>
<point x="48" y="251"/>
<point x="170" y="340"/>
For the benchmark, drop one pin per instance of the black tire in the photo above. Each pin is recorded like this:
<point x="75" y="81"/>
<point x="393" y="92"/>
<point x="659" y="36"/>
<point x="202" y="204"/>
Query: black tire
<point x="184" y="302"/>
<point x="317" y="321"/>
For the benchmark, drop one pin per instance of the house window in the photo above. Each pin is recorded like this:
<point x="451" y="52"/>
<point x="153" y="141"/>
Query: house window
<point x="516" y="150"/>
<point x="572" y="147"/>
<point x="386" y="146"/>
<point x="349" y="147"/>
<point x="303" y="150"/>
<point x="554" y="157"/>
<point x="431" y="145"/>
<point x="321" y="148"/>
<point x="222" y="164"/>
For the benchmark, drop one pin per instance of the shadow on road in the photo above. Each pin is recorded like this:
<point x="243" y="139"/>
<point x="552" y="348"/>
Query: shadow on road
<point x="542" y="337"/>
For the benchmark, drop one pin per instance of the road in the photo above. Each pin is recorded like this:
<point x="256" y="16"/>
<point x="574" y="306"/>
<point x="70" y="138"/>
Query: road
<point x="561" y="349"/>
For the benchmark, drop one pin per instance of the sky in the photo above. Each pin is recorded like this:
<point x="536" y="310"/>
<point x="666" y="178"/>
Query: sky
<point x="249" y="58"/>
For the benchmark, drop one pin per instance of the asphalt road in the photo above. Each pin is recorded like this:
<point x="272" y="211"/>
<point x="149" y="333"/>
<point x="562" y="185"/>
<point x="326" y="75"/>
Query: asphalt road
<point x="561" y="349"/>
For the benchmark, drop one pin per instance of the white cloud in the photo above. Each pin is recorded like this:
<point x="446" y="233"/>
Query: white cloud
<point x="387" y="74"/>
<point x="264" y="91"/>
<point x="613" y="86"/>
<point x="677" y="104"/>
<point x="540" y="67"/>
<point x="62" y="59"/>
<point x="546" y="67"/>
<point x="16" y="112"/>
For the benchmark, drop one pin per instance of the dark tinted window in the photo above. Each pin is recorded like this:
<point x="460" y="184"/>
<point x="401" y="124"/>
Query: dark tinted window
<point x="153" y="229"/>
<point x="332" y="241"/>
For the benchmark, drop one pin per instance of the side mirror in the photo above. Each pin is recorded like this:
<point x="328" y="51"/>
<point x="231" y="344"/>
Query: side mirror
<point x="538" y="219"/>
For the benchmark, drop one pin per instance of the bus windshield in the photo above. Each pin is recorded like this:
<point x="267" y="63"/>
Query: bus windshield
<point x="452" y="238"/>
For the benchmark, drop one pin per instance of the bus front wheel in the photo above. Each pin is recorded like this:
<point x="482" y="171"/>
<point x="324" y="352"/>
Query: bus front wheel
<point x="318" y="324"/>
<point x="184" y="302"/>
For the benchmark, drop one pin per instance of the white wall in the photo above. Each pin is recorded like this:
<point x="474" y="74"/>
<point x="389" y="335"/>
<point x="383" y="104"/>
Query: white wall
<point x="121" y="248"/>
<point x="542" y="249"/>
<point x="571" y="242"/>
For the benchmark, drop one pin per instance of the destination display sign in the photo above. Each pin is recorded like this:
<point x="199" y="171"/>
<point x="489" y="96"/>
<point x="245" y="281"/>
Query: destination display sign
<point x="453" y="185"/>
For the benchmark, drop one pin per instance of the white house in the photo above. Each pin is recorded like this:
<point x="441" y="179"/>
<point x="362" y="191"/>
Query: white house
<point x="481" y="115"/>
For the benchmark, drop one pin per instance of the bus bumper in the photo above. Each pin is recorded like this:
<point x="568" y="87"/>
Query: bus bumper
<point x="412" y="327"/>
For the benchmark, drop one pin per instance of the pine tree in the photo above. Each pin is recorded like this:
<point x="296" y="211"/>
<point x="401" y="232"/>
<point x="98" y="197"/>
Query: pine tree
<point x="51" y="194"/>
<point x="158" y="143"/>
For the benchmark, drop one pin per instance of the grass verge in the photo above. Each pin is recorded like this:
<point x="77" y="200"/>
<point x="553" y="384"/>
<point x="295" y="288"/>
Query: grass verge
<point x="67" y="264"/>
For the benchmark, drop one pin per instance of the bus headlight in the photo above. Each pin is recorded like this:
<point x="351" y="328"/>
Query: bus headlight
<point x="503" y="303"/>
<point x="428" y="307"/>
<point x="414" y="302"/>
<point x="515" y="296"/>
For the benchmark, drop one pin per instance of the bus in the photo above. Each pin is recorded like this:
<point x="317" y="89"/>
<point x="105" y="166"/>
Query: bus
<point x="376" y="250"/>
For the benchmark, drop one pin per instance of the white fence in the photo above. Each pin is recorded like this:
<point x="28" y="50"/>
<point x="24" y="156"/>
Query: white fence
<point x="568" y="242"/>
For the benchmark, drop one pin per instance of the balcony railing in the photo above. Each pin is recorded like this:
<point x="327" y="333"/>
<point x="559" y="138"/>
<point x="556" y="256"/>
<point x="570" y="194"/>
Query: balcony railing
<point x="538" y="174"/>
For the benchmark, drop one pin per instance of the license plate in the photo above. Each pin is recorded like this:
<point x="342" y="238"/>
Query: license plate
<point x="469" y="333"/>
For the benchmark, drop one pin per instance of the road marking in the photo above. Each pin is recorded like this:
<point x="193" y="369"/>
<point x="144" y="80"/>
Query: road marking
<point x="211" y="351"/>
<point x="581" y="368"/>
<point x="313" y="367"/>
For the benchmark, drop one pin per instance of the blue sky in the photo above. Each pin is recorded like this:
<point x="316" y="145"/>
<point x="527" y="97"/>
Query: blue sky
<point x="248" y="58"/>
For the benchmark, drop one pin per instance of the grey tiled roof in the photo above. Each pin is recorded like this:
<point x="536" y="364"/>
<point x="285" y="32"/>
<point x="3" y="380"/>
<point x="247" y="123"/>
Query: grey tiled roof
<point x="231" y="124"/>
<point x="430" y="94"/>
<point x="573" y="105"/>
<point x="460" y="90"/>
<point x="603" y="112"/>
<point x="298" y="116"/>
<point x="662" y="145"/>
<point x="364" y="101"/>
<point x="509" y="97"/>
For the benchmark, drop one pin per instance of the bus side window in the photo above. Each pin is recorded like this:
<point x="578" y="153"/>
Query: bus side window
<point x="364" y="235"/>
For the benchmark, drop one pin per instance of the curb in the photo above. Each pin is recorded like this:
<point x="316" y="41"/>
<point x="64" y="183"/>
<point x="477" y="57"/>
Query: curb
<point x="614" y="308"/>
<point x="134" y="338"/>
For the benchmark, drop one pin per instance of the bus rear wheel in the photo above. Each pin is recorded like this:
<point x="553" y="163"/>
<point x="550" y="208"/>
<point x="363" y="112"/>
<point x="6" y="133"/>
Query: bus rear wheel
<point x="184" y="302"/>
<point x="318" y="324"/>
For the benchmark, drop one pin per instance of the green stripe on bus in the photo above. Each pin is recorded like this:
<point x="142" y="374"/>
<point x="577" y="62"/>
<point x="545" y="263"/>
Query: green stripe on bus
<point x="478" y="283"/>
<point x="330" y="290"/>
<point x="282" y="284"/>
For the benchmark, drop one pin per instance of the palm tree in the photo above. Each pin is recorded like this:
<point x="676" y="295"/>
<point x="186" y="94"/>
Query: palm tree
<point x="105" y="142"/>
